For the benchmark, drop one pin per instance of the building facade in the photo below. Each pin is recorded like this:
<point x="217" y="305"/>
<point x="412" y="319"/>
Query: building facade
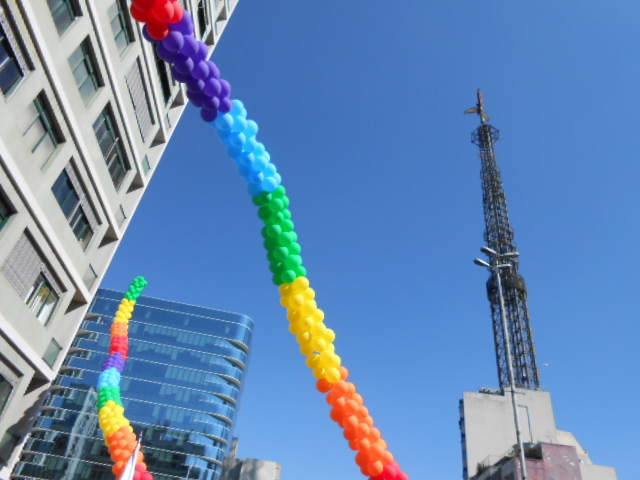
<point x="235" y="468"/>
<point x="86" y="110"/>
<point x="180" y="390"/>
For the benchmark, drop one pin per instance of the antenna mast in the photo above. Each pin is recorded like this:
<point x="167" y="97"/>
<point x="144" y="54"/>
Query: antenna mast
<point x="499" y="237"/>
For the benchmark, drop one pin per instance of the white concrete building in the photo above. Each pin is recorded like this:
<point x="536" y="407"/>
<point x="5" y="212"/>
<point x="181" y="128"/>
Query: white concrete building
<point x="489" y="435"/>
<point x="86" y="111"/>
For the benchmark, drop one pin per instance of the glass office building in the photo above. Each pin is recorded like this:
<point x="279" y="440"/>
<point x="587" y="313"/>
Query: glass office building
<point x="180" y="390"/>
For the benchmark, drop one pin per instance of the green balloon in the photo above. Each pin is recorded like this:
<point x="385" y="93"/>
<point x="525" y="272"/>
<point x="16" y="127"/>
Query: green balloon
<point x="287" y="225"/>
<point x="301" y="271"/>
<point x="288" y="276"/>
<point x="279" y="192"/>
<point x="293" y="261"/>
<point x="286" y="213"/>
<point x="264" y="212"/>
<point x="274" y="231"/>
<point x="286" y="201"/>
<point x="280" y="253"/>
<point x="275" y="218"/>
<point x="294" y="248"/>
<point x="261" y="199"/>
<point x="276" y="205"/>
<point x="270" y="243"/>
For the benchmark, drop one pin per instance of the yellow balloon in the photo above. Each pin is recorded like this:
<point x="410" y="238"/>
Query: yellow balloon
<point x="312" y="360"/>
<point x="318" y="329"/>
<point x="318" y="372"/>
<point x="306" y="349"/>
<point x="309" y="293"/>
<point x="319" y="344"/>
<point x="332" y="375"/>
<point x="303" y="338"/>
<point x="318" y="315"/>
<point x="301" y="283"/>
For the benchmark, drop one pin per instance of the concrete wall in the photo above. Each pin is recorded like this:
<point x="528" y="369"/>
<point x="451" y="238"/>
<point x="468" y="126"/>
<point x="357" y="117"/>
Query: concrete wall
<point x="488" y="429"/>
<point x="26" y="179"/>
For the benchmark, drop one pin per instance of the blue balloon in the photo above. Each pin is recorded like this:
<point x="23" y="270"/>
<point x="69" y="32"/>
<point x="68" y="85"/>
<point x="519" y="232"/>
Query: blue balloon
<point x="254" y="189"/>
<point x="165" y="54"/>
<point x="238" y="108"/>
<point x="224" y="123"/>
<point x="189" y="47"/>
<point x="245" y="159"/>
<point x="233" y="151"/>
<point x="269" y="184"/>
<point x="251" y="130"/>
<point x="250" y="144"/>
<point x="239" y="124"/>
<point x="236" y="140"/>
<point x="270" y="170"/>
<point x="260" y="163"/>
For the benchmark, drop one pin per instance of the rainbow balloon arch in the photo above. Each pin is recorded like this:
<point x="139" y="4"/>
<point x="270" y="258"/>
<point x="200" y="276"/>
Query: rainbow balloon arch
<point x="171" y="29"/>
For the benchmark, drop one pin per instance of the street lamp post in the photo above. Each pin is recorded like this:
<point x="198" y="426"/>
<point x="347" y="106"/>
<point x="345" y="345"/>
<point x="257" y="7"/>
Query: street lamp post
<point x="495" y="265"/>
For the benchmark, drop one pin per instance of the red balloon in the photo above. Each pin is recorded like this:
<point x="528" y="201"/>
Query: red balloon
<point x="144" y="4"/>
<point x="157" y="30"/>
<point x="163" y="11"/>
<point x="140" y="15"/>
<point x="402" y="476"/>
<point x="178" y="13"/>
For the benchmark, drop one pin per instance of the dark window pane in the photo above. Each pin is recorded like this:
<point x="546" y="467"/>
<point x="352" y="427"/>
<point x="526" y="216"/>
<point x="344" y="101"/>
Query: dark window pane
<point x="65" y="194"/>
<point x="63" y="12"/>
<point x="42" y="299"/>
<point x="10" y="71"/>
<point x="111" y="147"/>
<point x="5" y="213"/>
<point x="85" y="69"/>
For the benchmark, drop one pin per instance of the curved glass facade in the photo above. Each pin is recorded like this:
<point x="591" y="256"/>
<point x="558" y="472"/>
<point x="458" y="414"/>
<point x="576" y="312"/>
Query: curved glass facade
<point x="180" y="390"/>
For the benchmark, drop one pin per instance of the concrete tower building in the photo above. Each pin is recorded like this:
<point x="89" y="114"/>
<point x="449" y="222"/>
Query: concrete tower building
<point x="510" y="433"/>
<point x="86" y="110"/>
<point x="180" y="390"/>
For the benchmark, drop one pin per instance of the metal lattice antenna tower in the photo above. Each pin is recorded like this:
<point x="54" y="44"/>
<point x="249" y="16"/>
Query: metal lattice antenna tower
<point x="499" y="237"/>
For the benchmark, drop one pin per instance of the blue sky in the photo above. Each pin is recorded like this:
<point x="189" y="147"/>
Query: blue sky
<point x="360" y="105"/>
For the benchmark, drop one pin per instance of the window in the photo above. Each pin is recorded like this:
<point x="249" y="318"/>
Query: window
<point x="51" y="355"/>
<point x="111" y="147"/>
<point x="72" y="206"/>
<point x="81" y="228"/>
<point x="42" y="299"/>
<point x="10" y="70"/>
<point x="164" y="77"/>
<point x="5" y="212"/>
<point x="119" y="25"/>
<point x="139" y="99"/>
<point x="5" y="392"/>
<point x="42" y="132"/>
<point x="85" y="70"/>
<point x="202" y="18"/>
<point x="63" y="12"/>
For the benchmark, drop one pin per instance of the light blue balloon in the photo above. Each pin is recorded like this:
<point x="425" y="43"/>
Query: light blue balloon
<point x="269" y="170"/>
<point x="245" y="159"/>
<point x="234" y="151"/>
<point x="260" y="163"/>
<point x="250" y="144"/>
<point x="245" y="171"/>
<point x="224" y="123"/>
<point x="237" y="140"/>
<point x="256" y="177"/>
<point x="269" y="184"/>
<point x="239" y="124"/>
<point x="259" y="150"/>
<point x="238" y="108"/>
<point x="251" y="130"/>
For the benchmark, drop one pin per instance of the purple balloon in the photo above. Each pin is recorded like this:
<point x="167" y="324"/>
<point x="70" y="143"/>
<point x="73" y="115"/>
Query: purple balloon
<point x="195" y="84"/>
<point x="202" y="53"/>
<point x="211" y="103"/>
<point x="165" y="54"/>
<point x="173" y="41"/>
<point x="214" y="71"/>
<point x="225" y="90"/>
<point x="225" y="105"/>
<point x="200" y="70"/>
<point x="183" y="64"/>
<point x="190" y="46"/>
<point x="195" y="97"/>
<point x="212" y="87"/>
<point x="208" y="115"/>
<point x="181" y="77"/>
<point x="147" y="37"/>
<point x="184" y="26"/>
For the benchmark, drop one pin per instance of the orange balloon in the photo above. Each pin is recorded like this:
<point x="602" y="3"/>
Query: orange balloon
<point x="387" y="457"/>
<point x="374" y="435"/>
<point x="362" y="458"/>
<point x="140" y="458"/>
<point x="377" y="450"/>
<point x="337" y="414"/>
<point x="339" y="404"/>
<point x="375" y="468"/>
<point x="340" y="388"/>
<point x="351" y="389"/>
<point x="364" y="444"/>
<point x="369" y="420"/>
<point x="350" y="407"/>
<point x="333" y="397"/>
<point x="350" y="422"/>
<point x="363" y="430"/>
<point x="323" y="385"/>
<point x="351" y="435"/>
<point x="356" y="397"/>
<point x="344" y="372"/>
<point x="354" y="444"/>
<point x="383" y="443"/>
<point x="362" y="413"/>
